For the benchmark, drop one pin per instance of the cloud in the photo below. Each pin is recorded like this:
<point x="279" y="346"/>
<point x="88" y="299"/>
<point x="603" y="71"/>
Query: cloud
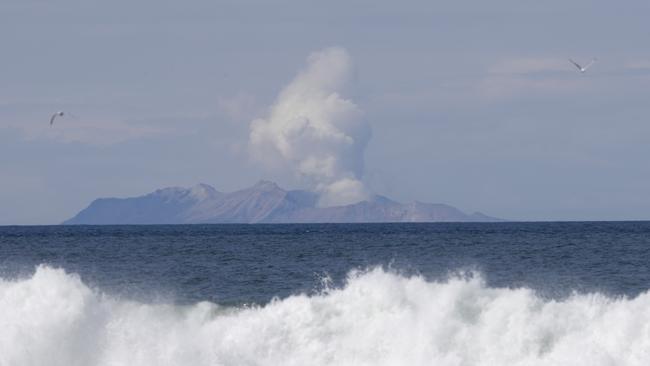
<point x="529" y="65"/>
<point x="105" y="132"/>
<point x="638" y="64"/>
<point x="316" y="131"/>
<point x="505" y="87"/>
<point x="91" y="132"/>
<point x="531" y="76"/>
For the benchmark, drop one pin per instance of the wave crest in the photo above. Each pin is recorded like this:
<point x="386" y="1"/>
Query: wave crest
<point x="377" y="318"/>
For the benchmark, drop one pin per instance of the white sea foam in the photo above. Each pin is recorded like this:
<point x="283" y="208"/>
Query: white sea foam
<point x="377" y="318"/>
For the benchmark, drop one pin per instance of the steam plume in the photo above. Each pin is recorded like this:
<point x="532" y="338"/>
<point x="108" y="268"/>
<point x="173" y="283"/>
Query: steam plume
<point x="316" y="131"/>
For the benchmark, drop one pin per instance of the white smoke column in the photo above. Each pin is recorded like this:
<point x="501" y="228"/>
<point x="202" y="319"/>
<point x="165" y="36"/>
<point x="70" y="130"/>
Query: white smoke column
<point x="319" y="133"/>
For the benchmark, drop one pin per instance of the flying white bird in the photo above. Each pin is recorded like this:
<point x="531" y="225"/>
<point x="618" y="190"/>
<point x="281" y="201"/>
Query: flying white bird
<point x="583" y="69"/>
<point x="57" y="114"/>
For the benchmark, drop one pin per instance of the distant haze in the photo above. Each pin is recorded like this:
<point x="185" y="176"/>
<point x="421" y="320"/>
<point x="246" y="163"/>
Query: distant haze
<point x="474" y="105"/>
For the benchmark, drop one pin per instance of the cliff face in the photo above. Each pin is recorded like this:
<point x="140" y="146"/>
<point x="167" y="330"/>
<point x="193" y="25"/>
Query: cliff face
<point x="264" y="202"/>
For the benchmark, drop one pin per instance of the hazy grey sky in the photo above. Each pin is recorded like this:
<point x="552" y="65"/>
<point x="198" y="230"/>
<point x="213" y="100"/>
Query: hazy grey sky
<point x="473" y="104"/>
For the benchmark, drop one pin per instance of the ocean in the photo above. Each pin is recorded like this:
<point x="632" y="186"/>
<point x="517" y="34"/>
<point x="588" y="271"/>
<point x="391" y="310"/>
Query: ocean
<point x="332" y="294"/>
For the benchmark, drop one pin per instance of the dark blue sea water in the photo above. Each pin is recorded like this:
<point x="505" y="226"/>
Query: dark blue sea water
<point x="254" y="263"/>
<point x="361" y="294"/>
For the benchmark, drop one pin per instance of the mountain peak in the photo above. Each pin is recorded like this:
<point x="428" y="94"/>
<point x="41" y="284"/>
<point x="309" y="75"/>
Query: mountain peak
<point x="266" y="185"/>
<point x="263" y="202"/>
<point x="203" y="191"/>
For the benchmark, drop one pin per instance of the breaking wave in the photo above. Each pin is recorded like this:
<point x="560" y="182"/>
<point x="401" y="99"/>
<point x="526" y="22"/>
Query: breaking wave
<point x="377" y="318"/>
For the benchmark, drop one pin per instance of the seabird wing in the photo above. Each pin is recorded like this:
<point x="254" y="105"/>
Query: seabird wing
<point x="52" y="118"/>
<point x="589" y="64"/>
<point x="576" y="64"/>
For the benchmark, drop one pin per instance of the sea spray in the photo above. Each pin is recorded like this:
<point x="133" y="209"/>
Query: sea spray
<point x="377" y="318"/>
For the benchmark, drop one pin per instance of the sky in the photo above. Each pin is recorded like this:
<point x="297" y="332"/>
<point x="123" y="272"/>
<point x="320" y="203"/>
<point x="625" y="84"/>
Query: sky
<point x="473" y="104"/>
